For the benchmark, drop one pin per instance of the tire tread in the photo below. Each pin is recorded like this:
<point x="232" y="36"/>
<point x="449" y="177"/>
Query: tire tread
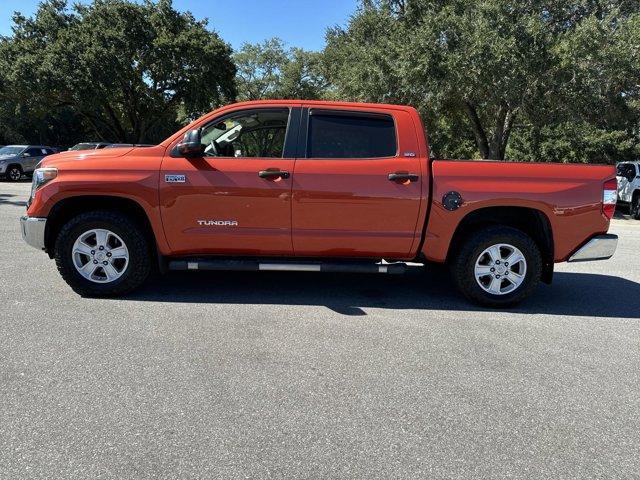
<point x="464" y="261"/>
<point x="136" y="242"/>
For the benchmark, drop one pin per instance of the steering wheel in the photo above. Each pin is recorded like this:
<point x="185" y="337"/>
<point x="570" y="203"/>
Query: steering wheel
<point x="213" y="148"/>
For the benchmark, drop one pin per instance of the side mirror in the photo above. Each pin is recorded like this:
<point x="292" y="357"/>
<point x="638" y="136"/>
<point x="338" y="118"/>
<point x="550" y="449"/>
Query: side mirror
<point x="191" y="146"/>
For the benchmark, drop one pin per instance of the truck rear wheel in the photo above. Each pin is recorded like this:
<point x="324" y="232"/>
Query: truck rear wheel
<point x="102" y="253"/>
<point x="497" y="267"/>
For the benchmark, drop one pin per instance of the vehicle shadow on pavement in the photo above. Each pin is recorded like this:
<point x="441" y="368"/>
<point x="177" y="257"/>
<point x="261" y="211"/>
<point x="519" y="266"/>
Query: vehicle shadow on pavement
<point x="572" y="294"/>
<point x="8" y="199"/>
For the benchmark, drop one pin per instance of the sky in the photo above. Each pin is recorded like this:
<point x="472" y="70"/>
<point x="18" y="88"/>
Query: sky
<point x="300" y="23"/>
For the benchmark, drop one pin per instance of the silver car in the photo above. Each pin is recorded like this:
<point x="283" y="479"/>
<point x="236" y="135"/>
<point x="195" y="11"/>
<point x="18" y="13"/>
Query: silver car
<point x="18" y="160"/>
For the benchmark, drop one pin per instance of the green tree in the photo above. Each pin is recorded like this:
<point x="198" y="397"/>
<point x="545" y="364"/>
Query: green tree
<point x="489" y="67"/>
<point x="125" y="68"/>
<point x="269" y="70"/>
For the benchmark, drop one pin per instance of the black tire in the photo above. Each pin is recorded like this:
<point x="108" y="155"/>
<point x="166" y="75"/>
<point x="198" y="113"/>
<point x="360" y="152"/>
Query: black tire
<point x="634" y="208"/>
<point x="137" y="270"/>
<point x="463" y="264"/>
<point x="13" y="173"/>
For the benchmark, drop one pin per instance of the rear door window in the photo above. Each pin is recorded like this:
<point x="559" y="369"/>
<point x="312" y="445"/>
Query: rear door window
<point x="350" y="135"/>
<point x="34" y="152"/>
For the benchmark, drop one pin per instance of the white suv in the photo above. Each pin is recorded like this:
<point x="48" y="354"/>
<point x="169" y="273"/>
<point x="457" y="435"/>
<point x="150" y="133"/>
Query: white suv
<point x="628" y="175"/>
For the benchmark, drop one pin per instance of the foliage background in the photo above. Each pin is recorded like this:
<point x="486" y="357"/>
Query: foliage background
<point x="551" y="81"/>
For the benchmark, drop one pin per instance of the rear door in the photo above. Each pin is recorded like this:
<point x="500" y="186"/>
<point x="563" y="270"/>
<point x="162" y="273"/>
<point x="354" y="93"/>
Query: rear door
<point x="236" y="199"/>
<point x="358" y="183"/>
<point x="32" y="156"/>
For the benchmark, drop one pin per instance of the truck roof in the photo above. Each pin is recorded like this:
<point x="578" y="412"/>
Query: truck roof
<point x="323" y="103"/>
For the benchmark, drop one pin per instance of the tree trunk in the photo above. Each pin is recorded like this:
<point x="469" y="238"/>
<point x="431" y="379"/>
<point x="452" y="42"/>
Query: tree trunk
<point x="478" y="131"/>
<point x="494" y="147"/>
<point x="500" y="138"/>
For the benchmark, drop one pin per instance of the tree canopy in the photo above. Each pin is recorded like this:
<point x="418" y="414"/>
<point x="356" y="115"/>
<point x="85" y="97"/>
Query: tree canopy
<point x="269" y="70"/>
<point x="484" y="72"/>
<point x="125" y="69"/>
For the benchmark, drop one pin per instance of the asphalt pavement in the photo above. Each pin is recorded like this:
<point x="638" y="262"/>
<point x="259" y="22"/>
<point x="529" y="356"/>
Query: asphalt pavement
<point x="302" y="375"/>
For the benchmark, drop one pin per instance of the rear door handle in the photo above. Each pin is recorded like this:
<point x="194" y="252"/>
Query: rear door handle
<point x="273" y="174"/>
<point x="403" y="177"/>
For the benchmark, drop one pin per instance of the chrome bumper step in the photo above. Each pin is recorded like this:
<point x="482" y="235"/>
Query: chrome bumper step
<point x="600" y="247"/>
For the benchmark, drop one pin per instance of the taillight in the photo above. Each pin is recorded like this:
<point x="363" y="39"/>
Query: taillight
<point x="609" y="197"/>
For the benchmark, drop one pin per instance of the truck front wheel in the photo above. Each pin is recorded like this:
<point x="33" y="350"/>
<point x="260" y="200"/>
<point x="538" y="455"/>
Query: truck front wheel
<point x="497" y="267"/>
<point x="102" y="253"/>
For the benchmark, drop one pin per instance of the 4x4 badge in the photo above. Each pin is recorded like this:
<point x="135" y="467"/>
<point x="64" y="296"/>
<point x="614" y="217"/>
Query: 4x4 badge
<point x="175" y="178"/>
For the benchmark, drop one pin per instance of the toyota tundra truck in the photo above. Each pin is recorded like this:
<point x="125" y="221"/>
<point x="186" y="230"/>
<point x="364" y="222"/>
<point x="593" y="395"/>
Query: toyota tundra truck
<point x="314" y="187"/>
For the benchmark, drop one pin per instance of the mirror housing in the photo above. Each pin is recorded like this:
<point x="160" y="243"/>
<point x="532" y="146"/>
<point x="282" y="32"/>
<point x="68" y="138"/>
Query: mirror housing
<point x="191" y="146"/>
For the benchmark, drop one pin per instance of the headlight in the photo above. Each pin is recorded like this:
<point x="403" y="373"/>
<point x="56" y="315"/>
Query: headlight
<point x="2" y="162"/>
<point x="40" y="177"/>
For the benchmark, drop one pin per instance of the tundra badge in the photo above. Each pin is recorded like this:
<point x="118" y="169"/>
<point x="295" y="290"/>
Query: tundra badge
<point x="218" y="223"/>
<point x="175" y="178"/>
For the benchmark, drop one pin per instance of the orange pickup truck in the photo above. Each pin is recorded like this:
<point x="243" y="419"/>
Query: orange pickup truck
<point x="314" y="186"/>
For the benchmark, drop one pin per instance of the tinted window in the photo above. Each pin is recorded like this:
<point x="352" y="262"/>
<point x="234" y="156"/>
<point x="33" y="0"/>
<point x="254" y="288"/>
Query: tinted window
<point x="34" y="152"/>
<point x="252" y="133"/>
<point x="346" y="136"/>
<point x="626" y="170"/>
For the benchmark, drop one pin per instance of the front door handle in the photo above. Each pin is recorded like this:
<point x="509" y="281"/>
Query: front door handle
<point x="403" y="177"/>
<point x="273" y="174"/>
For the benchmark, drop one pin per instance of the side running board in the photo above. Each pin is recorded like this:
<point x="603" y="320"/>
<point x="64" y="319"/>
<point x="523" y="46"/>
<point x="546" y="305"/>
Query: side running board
<point x="266" y="265"/>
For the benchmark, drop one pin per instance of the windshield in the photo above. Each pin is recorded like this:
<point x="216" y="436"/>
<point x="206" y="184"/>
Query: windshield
<point x="11" y="150"/>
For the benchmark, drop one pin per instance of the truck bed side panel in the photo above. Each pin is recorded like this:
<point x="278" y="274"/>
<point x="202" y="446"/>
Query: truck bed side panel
<point x="569" y="195"/>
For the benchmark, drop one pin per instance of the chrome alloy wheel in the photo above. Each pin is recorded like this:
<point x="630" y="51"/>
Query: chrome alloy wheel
<point x="500" y="269"/>
<point x="100" y="256"/>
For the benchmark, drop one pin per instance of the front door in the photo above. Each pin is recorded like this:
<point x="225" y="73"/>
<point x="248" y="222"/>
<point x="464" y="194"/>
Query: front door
<point x="357" y="192"/>
<point x="236" y="199"/>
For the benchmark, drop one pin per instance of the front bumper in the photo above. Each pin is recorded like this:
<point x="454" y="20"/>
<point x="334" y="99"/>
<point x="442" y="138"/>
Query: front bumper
<point x="600" y="247"/>
<point x="33" y="231"/>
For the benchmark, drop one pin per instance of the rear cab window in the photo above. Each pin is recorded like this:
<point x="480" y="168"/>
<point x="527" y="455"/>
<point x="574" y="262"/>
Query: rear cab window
<point x="350" y="134"/>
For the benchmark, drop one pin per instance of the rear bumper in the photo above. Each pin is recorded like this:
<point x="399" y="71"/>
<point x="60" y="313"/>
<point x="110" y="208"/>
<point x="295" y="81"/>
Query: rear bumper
<point x="600" y="247"/>
<point x="33" y="231"/>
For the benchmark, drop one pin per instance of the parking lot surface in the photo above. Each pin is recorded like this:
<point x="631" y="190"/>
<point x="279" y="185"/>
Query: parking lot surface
<point x="292" y="375"/>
